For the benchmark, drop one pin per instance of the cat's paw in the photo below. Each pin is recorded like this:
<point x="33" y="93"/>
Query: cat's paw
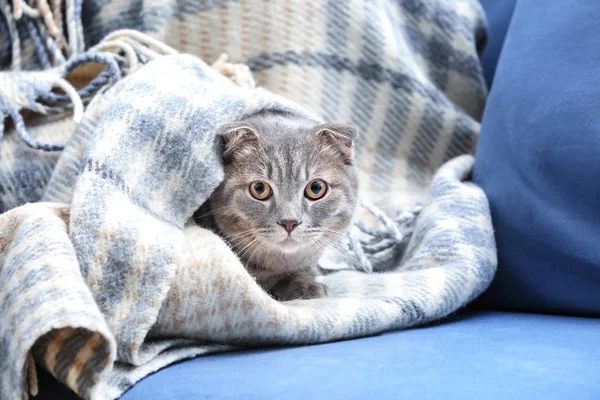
<point x="296" y="289"/>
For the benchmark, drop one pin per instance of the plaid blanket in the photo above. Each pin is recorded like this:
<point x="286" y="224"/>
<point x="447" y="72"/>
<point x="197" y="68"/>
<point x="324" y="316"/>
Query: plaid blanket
<point x="103" y="280"/>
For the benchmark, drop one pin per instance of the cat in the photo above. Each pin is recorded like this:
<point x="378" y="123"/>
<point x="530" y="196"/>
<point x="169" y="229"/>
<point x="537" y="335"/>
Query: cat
<point x="290" y="190"/>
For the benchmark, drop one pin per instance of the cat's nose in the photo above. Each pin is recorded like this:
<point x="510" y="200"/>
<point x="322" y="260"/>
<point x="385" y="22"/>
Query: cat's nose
<point x="288" y="224"/>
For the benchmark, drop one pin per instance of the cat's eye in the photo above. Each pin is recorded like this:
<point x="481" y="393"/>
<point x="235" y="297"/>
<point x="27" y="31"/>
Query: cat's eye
<point x="315" y="189"/>
<point x="260" y="190"/>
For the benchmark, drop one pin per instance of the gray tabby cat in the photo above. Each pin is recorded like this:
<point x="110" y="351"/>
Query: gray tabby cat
<point x="290" y="190"/>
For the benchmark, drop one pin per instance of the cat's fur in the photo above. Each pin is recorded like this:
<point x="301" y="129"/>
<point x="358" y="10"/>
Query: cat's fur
<point x="287" y="152"/>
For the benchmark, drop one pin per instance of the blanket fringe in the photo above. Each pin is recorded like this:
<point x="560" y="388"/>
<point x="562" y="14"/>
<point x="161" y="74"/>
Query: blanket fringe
<point x="121" y="52"/>
<point x="381" y="248"/>
<point x="46" y="101"/>
<point x="44" y="27"/>
<point x="239" y="74"/>
<point x="138" y="49"/>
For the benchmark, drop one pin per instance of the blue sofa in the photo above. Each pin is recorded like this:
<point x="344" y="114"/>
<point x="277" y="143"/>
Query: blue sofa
<point x="475" y="355"/>
<point x="479" y="353"/>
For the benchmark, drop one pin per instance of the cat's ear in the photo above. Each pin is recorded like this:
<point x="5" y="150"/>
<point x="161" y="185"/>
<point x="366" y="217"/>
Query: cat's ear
<point x="238" y="139"/>
<point x="338" y="137"/>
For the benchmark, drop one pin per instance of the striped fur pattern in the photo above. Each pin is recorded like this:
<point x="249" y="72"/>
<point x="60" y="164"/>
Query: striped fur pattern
<point x="105" y="281"/>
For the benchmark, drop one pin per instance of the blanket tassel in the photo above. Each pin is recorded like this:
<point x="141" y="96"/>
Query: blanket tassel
<point x="381" y="246"/>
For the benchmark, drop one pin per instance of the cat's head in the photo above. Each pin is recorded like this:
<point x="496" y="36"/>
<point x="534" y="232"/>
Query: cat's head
<point x="289" y="184"/>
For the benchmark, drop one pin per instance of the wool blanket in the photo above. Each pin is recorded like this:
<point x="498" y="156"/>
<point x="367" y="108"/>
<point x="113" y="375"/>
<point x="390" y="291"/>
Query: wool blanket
<point x="104" y="279"/>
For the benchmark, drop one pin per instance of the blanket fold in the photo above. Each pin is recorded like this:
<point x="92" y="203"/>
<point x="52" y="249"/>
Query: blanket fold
<point x="47" y="301"/>
<point x="151" y="161"/>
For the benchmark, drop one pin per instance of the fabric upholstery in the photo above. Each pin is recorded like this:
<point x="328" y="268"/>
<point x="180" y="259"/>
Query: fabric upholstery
<point x="498" y="14"/>
<point x="537" y="160"/>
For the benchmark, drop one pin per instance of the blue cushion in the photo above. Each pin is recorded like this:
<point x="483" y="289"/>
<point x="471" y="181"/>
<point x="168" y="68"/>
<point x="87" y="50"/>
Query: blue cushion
<point x="538" y="160"/>
<point x="498" y="14"/>
<point x="489" y="355"/>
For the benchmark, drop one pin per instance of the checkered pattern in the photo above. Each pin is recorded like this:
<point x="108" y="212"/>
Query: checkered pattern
<point x="96" y="278"/>
<point x="406" y="73"/>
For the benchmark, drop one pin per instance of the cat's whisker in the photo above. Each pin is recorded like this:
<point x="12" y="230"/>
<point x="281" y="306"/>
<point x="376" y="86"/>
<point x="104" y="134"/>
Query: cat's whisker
<point x="211" y="212"/>
<point x="316" y="243"/>
<point x="346" y="259"/>
<point x="336" y="232"/>
<point x="329" y="240"/>
<point x="260" y="246"/>
<point x="241" y="235"/>
<point x="244" y="231"/>
<point x="341" y="251"/>
<point x="243" y="250"/>
<point x="266" y="246"/>
<point x="247" y="232"/>
<point x="241" y="241"/>
<point x="324" y="245"/>
<point x="248" y="247"/>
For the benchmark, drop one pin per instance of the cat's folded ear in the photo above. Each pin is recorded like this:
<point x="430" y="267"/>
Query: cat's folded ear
<point x="238" y="139"/>
<point x="338" y="138"/>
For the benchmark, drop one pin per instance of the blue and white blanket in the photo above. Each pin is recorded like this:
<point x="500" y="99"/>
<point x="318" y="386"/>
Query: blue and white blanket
<point x="102" y="278"/>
